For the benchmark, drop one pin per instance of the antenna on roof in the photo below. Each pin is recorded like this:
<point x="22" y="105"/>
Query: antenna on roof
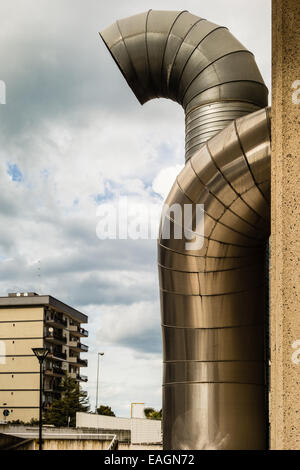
<point x="39" y="276"/>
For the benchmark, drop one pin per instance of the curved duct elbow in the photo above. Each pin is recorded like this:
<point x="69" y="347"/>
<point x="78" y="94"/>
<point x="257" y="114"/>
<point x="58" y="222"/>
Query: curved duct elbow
<point x="190" y="60"/>
<point x="213" y="300"/>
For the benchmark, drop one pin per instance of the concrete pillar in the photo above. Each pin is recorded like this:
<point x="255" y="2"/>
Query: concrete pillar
<point x="285" y="227"/>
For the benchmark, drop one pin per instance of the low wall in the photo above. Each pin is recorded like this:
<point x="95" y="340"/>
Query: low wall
<point x="56" y="444"/>
<point x="26" y="438"/>
<point x="143" y="431"/>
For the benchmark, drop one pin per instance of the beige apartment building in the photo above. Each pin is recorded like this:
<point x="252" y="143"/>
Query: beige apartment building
<point x="27" y="321"/>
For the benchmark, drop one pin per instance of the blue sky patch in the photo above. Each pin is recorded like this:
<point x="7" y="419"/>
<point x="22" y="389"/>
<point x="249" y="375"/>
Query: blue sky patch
<point x="14" y="172"/>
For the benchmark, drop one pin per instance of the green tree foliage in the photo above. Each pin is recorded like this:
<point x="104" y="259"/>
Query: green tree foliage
<point x="16" y="422"/>
<point x="72" y="401"/>
<point x="151" y="413"/>
<point x="105" y="410"/>
<point x="32" y="422"/>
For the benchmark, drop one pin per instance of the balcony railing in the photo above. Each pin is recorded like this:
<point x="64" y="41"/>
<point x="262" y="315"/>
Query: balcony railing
<point x="83" y="332"/>
<point x="58" y="354"/>
<point x="78" y="346"/>
<point x="53" y="337"/>
<point x="54" y="370"/>
<point x="82" y="378"/>
<point x="72" y="359"/>
<point x="77" y="330"/>
<point x="82" y="362"/>
<point x="56" y="321"/>
<point x="53" y="386"/>
<point x="58" y="370"/>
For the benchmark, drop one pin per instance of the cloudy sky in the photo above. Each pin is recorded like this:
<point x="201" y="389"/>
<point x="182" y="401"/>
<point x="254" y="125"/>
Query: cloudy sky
<point x="73" y="137"/>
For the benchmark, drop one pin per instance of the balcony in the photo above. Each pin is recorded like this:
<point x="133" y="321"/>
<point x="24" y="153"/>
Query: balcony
<point x="78" y="331"/>
<point x="57" y="355"/>
<point x="56" y="322"/>
<point x="76" y="361"/>
<point x="83" y="332"/>
<point x="77" y="346"/>
<point x="55" y="338"/>
<point x="73" y="359"/>
<point x="82" y="378"/>
<point x="79" y="377"/>
<point x="82" y="362"/>
<point x="58" y="370"/>
<point x="53" y="387"/>
<point x="55" y="371"/>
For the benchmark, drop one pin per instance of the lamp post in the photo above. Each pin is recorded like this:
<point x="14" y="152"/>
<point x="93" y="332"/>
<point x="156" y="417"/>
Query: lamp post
<point x="41" y="354"/>
<point x="99" y="354"/>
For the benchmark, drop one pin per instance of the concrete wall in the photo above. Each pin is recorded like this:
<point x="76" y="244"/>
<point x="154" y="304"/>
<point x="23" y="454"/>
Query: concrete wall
<point x="145" y="430"/>
<point x="19" y="398"/>
<point x="83" y="444"/>
<point x="19" y="364"/>
<point x="22" y="414"/>
<point x="67" y="439"/>
<point x="88" y="420"/>
<point x="19" y="382"/>
<point x="21" y="314"/>
<point x="142" y="430"/>
<point x="16" y="347"/>
<point x="285" y="238"/>
<point x="72" y="444"/>
<point x="21" y="329"/>
<point x="27" y="329"/>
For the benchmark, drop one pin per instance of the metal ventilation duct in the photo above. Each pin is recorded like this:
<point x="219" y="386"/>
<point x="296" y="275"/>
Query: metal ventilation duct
<point x="212" y="299"/>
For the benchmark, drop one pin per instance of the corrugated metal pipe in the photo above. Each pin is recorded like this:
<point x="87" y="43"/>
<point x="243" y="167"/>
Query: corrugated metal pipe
<point x="213" y="299"/>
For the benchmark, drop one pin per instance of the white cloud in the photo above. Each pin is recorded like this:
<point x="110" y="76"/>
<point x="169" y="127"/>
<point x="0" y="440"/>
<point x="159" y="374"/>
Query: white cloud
<point x="128" y="322"/>
<point x="165" y="179"/>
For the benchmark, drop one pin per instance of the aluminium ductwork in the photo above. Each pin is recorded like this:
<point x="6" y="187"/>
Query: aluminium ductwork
<point x="213" y="299"/>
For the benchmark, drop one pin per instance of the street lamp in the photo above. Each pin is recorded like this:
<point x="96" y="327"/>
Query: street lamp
<point x="41" y="354"/>
<point x="99" y="354"/>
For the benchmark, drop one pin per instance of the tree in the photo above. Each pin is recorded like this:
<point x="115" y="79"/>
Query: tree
<point x="105" y="410"/>
<point x="72" y="400"/>
<point x="32" y="422"/>
<point x="151" y="413"/>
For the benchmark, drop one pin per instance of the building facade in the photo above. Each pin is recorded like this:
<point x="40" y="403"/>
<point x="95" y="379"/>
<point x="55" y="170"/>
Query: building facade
<point x="29" y="321"/>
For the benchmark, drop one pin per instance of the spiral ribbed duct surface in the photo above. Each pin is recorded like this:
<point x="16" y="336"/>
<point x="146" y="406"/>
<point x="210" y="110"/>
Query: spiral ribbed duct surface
<point x="213" y="298"/>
